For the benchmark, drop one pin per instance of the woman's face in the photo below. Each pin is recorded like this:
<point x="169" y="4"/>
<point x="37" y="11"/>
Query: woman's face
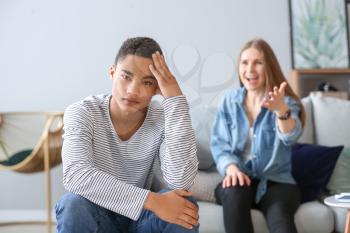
<point x="252" y="70"/>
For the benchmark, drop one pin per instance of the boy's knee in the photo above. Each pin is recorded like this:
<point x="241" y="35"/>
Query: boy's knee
<point x="75" y="213"/>
<point x="195" y="229"/>
<point x="192" y="199"/>
<point x="72" y="205"/>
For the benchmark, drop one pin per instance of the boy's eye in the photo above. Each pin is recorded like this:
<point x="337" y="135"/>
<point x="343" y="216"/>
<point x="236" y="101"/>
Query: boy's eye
<point x="148" y="83"/>
<point x="125" y="76"/>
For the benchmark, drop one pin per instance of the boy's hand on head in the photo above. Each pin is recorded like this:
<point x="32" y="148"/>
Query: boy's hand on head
<point x="166" y="81"/>
<point x="174" y="208"/>
<point x="275" y="99"/>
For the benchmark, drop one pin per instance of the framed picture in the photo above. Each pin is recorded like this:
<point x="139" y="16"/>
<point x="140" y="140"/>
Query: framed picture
<point x="319" y="34"/>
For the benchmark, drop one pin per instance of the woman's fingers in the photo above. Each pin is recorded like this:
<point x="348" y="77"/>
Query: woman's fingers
<point x="227" y="182"/>
<point x="236" y="179"/>
<point x="247" y="180"/>
<point x="241" y="179"/>
<point x="283" y="87"/>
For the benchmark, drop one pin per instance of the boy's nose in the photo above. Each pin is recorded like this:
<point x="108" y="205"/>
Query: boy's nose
<point x="133" y="88"/>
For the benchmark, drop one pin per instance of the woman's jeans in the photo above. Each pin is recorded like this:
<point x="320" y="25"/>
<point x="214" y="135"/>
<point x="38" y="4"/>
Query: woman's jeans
<point x="76" y="214"/>
<point x="278" y="205"/>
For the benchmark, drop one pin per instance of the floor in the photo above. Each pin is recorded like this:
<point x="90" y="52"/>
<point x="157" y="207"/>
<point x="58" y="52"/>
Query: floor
<point x="16" y="216"/>
<point x="39" y="228"/>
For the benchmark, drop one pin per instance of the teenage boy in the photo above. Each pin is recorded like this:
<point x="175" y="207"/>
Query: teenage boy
<point x="111" y="145"/>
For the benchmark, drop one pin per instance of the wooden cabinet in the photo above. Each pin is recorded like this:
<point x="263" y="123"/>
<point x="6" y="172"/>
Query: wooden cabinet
<point x="305" y="81"/>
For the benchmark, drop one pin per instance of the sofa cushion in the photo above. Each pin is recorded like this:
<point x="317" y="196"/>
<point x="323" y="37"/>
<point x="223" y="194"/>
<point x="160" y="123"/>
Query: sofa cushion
<point x="312" y="166"/>
<point x="331" y="120"/>
<point x="308" y="135"/>
<point x="205" y="184"/>
<point x="339" y="181"/>
<point x="314" y="212"/>
<point x="202" y="120"/>
<point x="212" y="221"/>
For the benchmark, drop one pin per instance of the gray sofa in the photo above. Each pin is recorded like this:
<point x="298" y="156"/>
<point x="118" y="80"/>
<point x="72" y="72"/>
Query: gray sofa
<point x="321" y="128"/>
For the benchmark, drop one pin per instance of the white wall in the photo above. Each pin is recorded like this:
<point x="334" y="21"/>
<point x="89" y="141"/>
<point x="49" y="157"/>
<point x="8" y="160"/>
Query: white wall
<point x="53" y="53"/>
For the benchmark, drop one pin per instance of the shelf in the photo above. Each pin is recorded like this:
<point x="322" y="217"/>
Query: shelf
<point x="304" y="81"/>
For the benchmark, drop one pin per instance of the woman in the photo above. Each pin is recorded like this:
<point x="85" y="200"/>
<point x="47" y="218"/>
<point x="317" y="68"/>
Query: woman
<point x="251" y="144"/>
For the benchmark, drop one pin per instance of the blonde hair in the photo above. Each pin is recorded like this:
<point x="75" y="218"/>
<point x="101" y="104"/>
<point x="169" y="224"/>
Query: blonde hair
<point x="273" y="72"/>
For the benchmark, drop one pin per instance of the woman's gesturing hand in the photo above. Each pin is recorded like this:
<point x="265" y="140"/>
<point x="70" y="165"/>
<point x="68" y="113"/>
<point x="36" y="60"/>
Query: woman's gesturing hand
<point x="275" y="99"/>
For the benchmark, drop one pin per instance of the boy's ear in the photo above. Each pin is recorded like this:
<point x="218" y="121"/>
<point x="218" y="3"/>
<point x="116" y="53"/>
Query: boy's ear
<point x="111" y="71"/>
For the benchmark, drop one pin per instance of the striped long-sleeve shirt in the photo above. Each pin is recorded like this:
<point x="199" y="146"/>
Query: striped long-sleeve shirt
<point x="117" y="174"/>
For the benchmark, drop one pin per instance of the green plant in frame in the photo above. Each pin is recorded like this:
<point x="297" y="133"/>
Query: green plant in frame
<point x="319" y="34"/>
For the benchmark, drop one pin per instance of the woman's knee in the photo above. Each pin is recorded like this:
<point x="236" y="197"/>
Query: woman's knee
<point x="235" y="193"/>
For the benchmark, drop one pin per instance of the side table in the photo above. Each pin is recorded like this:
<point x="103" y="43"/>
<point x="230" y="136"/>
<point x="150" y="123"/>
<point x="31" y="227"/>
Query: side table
<point x="331" y="201"/>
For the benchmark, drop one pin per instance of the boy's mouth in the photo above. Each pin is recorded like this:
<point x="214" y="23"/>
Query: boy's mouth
<point x="130" y="101"/>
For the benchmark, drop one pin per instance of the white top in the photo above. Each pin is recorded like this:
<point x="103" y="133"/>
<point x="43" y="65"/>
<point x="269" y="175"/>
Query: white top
<point x="331" y="201"/>
<point x="117" y="174"/>
<point x="246" y="156"/>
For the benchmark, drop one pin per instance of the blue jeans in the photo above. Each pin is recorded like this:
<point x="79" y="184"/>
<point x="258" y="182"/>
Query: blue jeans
<point x="76" y="214"/>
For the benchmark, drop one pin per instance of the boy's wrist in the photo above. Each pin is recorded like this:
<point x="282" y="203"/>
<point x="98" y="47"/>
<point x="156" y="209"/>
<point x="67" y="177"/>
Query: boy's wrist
<point x="172" y="93"/>
<point x="151" y="200"/>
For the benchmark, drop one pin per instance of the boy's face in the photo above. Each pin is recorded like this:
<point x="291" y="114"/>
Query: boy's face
<point x="133" y="84"/>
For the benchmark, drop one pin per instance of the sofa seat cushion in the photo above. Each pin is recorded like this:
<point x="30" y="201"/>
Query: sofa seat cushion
<point x="311" y="217"/>
<point x="314" y="217"/>
<point x="211" y="219"/>
<point x="205" y="184"/>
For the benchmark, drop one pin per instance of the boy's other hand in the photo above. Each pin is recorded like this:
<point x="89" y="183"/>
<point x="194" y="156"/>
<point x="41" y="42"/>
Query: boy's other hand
<point x="173" y="207"/>
<point x="167" y="83"/>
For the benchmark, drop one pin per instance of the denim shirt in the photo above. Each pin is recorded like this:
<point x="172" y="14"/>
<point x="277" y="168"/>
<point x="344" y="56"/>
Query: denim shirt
<point x="271" y="149"/>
